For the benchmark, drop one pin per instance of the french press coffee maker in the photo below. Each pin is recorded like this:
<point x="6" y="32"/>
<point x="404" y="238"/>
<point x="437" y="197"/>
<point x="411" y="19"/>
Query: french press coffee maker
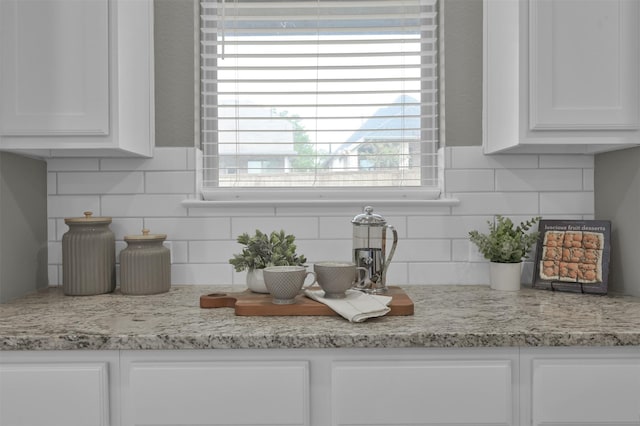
<point x="369" y="248"/>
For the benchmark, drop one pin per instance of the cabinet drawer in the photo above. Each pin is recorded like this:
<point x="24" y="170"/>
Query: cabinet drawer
<point x="218" y="393"/>
<point x="422" y="392"/>
<point x="54" y="394"/>
<point x="594" y="391"/>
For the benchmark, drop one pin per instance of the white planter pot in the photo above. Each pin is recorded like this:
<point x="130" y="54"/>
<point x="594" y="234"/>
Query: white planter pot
<point x="505" y="276"/>
<point x="255" y="281"/>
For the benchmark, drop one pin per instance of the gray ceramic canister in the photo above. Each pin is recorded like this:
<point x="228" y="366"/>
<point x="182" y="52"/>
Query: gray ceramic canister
<point x="145" y="264"/>
<point x="88" y="256"/>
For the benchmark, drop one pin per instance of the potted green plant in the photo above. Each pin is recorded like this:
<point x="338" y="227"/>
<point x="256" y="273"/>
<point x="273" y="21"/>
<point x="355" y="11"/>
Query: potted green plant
<point x="506" y="245"/>
<point x="262" y="250"/>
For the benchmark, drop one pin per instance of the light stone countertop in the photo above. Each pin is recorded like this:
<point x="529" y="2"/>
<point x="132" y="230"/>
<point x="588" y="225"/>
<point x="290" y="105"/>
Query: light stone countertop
<point x="445" y="316"/>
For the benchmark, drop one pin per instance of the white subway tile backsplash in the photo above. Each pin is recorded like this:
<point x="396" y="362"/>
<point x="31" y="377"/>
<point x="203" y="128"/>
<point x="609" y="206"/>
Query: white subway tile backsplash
<point x="483" y="203"/>
<point x="72" y="164"/>
<point x="73" y="205"/>
<point x="397" y="274"/>
<point x="239" y="279"/>
<point x="193" y="155"/>
<point x="471" y="157"/>
<point x="335" y="227"/>
<point x="143" y="205"/>
<point x="52" y="183"/>
<point x="465" y="251"/>
<point x="469" y="180"/>
<point x="566" y="202"/>
<point x="54" y="252"/>
<point x="61" y="228"/>
<point x="200" y="274"/>
<point x="564" y="216"/>
<point x="587" y="179"/>
<point x="567" y="161"/>
<point x="301" y="227"/>
<point x="317" y="250"/>
<point x="320" y="210"/>
<point x="127" y="226"/>
<point x="445" y="226"/>
<point x="398" y="222"/>
<point x="182" y="182"/>
<point x="413" y="250"/>
<point x="213" y="251"/>
<point x="52" y="274"/>
<point x="249" y="211"/>
<point x="120" y="245"/>
<point x="163" y="159"/>
<point x="444" y="157"/>
<point x="433" y="245"/>
<point x="449" y="273"/>
<point x="527" y="273"/>
<point x="539" y="180"/>
<point x="51" y="230"/>
<point x="100" y="183"/>
<point x="191" y="228"/>
<point x="179" y="251"/>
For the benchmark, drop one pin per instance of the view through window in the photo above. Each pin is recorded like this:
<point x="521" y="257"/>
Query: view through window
<point x="316" y="93"/>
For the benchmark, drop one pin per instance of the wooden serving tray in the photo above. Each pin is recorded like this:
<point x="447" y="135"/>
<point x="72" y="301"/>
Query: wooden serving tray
<point x="247" y="303"/>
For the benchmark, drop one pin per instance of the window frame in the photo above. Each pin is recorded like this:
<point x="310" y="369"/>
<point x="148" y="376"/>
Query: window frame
<point x="283" y="196"/>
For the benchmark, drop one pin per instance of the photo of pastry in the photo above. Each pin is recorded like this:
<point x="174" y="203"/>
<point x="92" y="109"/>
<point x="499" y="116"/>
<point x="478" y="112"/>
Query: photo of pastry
<point x="573" y="255"/>
<point x="549" y="270"/>
<point x="553" y="238"/>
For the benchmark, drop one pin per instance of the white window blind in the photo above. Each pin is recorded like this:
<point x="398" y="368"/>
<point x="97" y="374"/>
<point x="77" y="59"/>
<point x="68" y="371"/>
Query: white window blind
<point x="317" y="93"/>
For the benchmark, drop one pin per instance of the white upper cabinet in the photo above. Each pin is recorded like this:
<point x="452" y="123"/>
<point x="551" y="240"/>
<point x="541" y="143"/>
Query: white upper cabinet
<point x="561" y="76"/>
<point x="76" y="77"/>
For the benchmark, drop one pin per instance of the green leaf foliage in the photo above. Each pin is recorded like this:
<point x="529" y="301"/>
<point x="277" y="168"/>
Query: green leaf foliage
<point x="262" y="250"/>
<point x="506" y="243"/>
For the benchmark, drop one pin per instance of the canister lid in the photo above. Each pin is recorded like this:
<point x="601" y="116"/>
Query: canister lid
<point x="87" y="219"/>
<point x="146" y="236"/>
<point x="369" y="218"/>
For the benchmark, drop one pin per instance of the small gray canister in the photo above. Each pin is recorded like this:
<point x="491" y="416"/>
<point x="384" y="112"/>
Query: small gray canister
<point x="88" y="256"/>
<point x="145" y="264"/>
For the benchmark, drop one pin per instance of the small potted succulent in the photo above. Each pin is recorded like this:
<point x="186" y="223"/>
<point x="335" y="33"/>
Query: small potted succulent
<point x="506" y="245"/>
<point x="262" y="250"/>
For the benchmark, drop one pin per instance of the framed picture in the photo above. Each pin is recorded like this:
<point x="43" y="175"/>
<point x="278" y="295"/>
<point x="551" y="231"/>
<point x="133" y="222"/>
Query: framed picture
<point x="573" y="255"/>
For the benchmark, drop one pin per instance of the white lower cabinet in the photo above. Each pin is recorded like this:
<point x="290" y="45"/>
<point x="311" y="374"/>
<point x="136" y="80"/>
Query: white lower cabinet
<point x="423" y="392"/>
<point x="581" y="387"/>
<point x="57" y="389"/>
<point x="249" y="392"/>
<point x="322" y="387"/>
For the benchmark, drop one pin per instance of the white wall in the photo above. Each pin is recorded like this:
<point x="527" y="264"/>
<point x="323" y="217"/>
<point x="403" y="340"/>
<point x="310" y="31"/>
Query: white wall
<point x="23" y="226"/>
<point x="433" y="246"/>
<point x="618" y="199"/>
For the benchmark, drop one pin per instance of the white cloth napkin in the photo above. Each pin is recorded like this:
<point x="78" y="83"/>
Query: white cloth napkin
<point x="356" y="307"/>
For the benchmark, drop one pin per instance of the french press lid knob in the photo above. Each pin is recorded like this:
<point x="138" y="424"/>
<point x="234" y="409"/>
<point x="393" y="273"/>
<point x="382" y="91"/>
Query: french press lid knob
<point x="369" y="218"/>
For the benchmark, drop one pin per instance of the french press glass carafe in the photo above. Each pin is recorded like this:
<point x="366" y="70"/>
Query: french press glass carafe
<point x="369" y="248"/>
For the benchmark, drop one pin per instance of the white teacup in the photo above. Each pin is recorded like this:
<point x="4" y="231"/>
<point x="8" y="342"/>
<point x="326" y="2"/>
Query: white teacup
<point x="285" y="282"/>
<point x="336" y="277"/>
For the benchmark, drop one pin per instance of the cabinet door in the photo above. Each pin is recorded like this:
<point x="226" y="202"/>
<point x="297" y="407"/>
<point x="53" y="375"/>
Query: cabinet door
<point x="464" y="392"/>
<point x="54" y="68"/>
<point x="584" y="64"/>
<point x="216" y="393"/>
<point x="560" y="76"/>
<point x="54" y="394"/>
<point x="602" y="391"/>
